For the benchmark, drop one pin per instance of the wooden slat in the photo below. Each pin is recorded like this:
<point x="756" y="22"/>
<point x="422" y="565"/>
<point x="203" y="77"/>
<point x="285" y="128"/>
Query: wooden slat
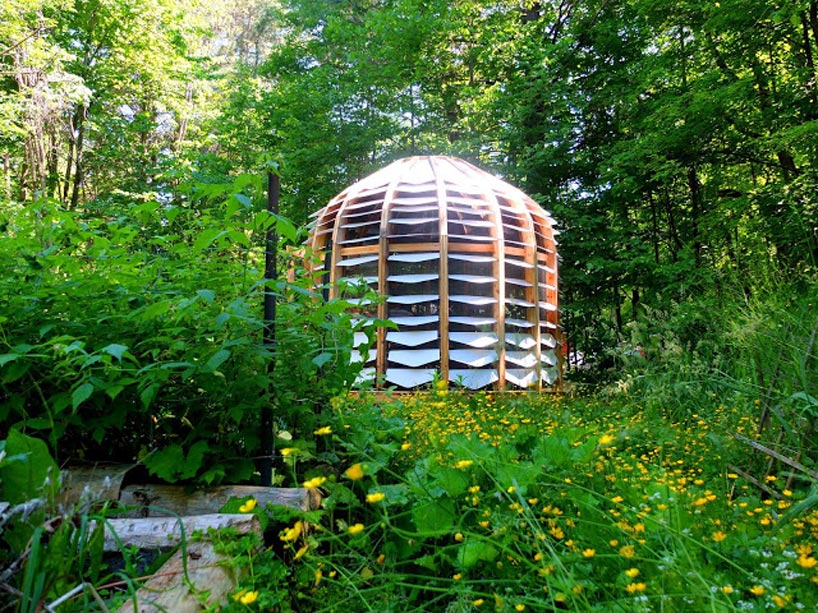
<point x="160" y="500"/>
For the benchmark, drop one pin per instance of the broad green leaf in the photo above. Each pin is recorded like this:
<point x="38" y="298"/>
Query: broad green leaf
<point x="216" y="360"/>
<point x="474" y="551"/>
<point x="115" y="349"/>
<point x="81" y="394"/>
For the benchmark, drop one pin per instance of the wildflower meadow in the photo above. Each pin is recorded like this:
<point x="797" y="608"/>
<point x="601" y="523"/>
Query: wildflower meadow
<point x="453" y="502"/>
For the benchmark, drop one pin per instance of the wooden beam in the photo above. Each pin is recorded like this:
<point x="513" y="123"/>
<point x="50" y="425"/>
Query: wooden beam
<point x="164" y="500"/>
<point x="163" y="532"/>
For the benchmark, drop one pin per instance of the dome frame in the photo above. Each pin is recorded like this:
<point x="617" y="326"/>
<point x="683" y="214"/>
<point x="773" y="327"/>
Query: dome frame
<point x="494" y="319"/>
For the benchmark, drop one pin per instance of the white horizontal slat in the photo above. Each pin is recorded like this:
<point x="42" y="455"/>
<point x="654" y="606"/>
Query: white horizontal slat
<point x="549" y="375"/>
<point x="520" y="377"/>
<point x="414" y="257"/>
<point x="414" y="357"/>
<point x="417" y="278"/>
<point x="412" y="299"/>
<point x="359" y="338"/>
<point x="412" y="221"/>
<point x="365" y="239"/>
<point x="421" y="208"/>
<point x="547" y="306"/>
<point x="476" y="223"/>
<point x="472" y="300"/>
<point x="356" y="356"/>
<point x="358" y="302"/>
<point x="358" y="281"/>
<point x="549" y="356"/>
<point x="469" y="257"/>
<point x="519" y="302"/>
<point x="519" y="323"/>
<point x="409" y="377"/>
<point x="415" y="320"/>
<point x="414" y="201"/>
<point x="413" y="338"/>
<point x="473" y="238"/>
<point x="473" y="278"/>
<point x="519" y="282"/>
<point x="366" y="375"/>
<point x="472" y="321"/>
<point x="519" y="263"/>
<point x="547" y="325"/>
<point x="473" y="357"/>
<point x="473" y="378"/>
<point x="374" y="204"/>
<point x="547" y="340"/>
<point x="364" y="259"/>
<point x="546" y="268"/>
<point x="474" y="339"/>
<point x="361" y="224"/>
<point x="524" y="359"/>
<point x="523" y="341"/>
<point x="417" y="188"/>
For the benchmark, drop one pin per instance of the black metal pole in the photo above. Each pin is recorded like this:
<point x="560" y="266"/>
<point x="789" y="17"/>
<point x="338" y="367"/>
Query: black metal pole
<point x="269" y="337"/>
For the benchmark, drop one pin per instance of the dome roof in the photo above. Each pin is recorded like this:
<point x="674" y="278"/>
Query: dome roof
<point x="468" y="268"/>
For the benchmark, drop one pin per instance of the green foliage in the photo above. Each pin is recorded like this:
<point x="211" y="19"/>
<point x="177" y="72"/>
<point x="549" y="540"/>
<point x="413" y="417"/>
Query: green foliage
<point x="145" y="324"/>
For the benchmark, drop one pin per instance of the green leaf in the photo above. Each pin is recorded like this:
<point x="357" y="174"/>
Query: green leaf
<point x="8" y="357"/>
<point x="216" y="360"/>
<point x="208" y="295"/>
<point x="115" y="349"/>
<point x="472" y="552"/>
<point x="35" y="475"/>
<point x="435" y="516"/>
<point x="81" y="394"/>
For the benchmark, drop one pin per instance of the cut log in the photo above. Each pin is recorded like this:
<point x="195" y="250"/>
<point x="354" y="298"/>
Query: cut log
<point x="164" y="500"/>
<point x="205" y="583"/>
<point x="159" y="532"/>
<point x="94" y="483"/>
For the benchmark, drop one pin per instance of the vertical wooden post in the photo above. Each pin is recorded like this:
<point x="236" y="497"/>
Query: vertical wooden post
<point x="269" y="337"/>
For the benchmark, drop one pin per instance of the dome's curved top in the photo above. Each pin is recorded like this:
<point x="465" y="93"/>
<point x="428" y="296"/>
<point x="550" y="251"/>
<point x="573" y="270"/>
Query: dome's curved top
<point x="467" y="264"/>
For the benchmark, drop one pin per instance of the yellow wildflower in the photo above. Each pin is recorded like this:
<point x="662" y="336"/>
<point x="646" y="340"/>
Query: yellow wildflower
<point x="355" y="528"/>
<point x="588" y="553"/>
<point x="314" y="482"/>
<point x="479" y="602"/>
<point x="375" y="497"/>
<point x="291" y="534"/>
<point x="237" y="596"/>
<point x="406" y="446"/>
<point x="632" y="573"/>
<point x="458" y="576"/>
<point x="249" y="598"/>
<point x="300" y="553"/>
<point x="463" y="463"/>
<point x="319" y="574"/>
<point x="627" y="551"/>
<point x="323" y="431"/>
<point x="606" y="439"/>
<point x="519" y="607"/>
<point x="355" y="472"/>
<point x="727" y="589"/>
<point x="719" y="536"/>
<point x="474" y="489"/>
<point x="757" y="590"/>
<point x="806" y="561"/>
<point x="248" y="506"/>
<point x="458" y="537"/>
<point x="287" y="451"/>
<point x="632" y="588"/>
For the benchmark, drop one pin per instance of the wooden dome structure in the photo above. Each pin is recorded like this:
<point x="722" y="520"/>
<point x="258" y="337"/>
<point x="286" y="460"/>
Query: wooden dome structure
<point x="468" y="268"/>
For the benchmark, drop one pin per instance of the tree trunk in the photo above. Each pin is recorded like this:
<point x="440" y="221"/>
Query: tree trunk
<point x="695" y="211"/>
<point x="79" y="171"/>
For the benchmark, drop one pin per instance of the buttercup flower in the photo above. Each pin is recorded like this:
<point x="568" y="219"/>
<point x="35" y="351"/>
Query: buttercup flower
<point x="355" y="528"/>
<point x="354" y="472"/>
<point x="248" y="506"/>
<point x="291" y="534"/>
<point x="323" y="431"/>
<point x="375" y="497"/>
<point x="314" y="482"/>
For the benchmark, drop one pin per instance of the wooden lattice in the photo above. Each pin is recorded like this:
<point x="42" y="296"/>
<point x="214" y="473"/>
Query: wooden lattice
<point x="468" y="267"/>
